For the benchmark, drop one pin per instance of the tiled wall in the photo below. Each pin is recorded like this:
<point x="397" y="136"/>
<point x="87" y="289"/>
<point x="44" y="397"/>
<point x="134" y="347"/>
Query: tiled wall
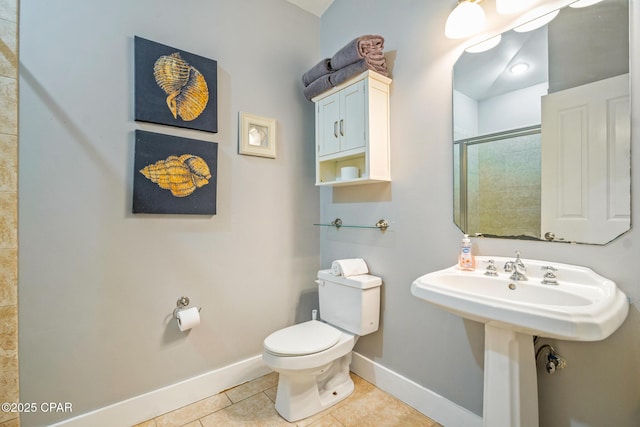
<point x="507" y="196"/>
<point x="8" y="208"/>
<point x="503" y="187"/>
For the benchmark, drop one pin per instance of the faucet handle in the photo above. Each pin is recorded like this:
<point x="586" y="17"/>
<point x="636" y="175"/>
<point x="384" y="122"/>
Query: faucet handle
<point x="549" y="277"/>
<point x="491" y="268"/>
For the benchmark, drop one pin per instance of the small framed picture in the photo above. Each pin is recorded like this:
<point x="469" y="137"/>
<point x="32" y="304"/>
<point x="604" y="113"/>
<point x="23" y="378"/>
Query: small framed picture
<point x="257" y="135"/>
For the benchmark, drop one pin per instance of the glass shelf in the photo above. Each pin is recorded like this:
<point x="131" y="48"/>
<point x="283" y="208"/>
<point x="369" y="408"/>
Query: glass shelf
<point x="381" y="225"/>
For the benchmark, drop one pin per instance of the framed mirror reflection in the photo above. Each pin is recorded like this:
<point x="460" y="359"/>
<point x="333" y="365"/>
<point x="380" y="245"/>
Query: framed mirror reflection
<point x="542" y="129"/>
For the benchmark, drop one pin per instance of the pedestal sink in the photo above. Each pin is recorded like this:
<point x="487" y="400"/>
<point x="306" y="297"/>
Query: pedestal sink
<point x="580" y="306"/>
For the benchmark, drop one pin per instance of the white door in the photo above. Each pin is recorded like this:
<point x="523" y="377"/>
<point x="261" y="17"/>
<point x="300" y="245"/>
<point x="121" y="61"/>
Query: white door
<point x="586" y="142"/>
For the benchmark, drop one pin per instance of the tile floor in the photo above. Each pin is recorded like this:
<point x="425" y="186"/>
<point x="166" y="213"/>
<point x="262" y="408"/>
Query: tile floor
<point x="251" y="404"/>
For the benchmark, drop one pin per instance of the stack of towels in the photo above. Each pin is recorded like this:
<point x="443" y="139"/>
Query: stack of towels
<point x="361" y="54"/>
<point x="349" y="267"/>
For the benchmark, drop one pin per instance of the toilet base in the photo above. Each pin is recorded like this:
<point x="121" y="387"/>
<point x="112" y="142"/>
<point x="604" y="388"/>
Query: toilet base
<point x="303" y="394"/>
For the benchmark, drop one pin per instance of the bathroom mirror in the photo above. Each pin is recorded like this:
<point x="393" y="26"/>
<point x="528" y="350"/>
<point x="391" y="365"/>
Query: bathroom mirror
<point x="542" y="130"/>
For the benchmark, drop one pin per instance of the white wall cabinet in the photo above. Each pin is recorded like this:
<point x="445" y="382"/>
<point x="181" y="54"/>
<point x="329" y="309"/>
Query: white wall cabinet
<point x="352" y="129"/>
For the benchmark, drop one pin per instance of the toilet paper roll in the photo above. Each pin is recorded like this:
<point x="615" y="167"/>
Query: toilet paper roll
<point x="348" y="172"/>
<point x="188" y="318"/>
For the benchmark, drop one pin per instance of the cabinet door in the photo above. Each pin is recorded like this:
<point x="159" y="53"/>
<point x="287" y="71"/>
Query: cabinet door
<point x="328" y="122"/>
<point x="352" y="121"/>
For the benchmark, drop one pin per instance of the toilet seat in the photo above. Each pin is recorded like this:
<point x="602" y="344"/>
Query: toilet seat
<point x="302" y="339"/>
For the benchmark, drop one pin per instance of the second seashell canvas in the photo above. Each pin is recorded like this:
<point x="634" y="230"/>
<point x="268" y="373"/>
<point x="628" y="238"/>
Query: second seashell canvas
<point x="175" y="87"/>
<point x="174" y="174"/>
<point x="179" y="174"/>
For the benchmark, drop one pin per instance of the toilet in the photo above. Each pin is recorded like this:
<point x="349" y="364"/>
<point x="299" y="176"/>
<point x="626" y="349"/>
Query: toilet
<point x="313" y="357"/>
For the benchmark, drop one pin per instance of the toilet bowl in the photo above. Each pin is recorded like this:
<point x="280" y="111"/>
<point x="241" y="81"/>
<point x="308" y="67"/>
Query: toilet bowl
<point x="313" y="357"/>
<point x="313" y="361"/>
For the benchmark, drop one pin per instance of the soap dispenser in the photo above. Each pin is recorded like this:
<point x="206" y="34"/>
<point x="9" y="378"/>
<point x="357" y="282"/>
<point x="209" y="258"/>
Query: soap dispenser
<point x="466" y="260"/>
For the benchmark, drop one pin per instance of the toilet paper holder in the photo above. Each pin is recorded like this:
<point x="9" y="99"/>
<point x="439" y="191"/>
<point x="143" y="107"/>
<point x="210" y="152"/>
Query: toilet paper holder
<point x="182" y="304"/>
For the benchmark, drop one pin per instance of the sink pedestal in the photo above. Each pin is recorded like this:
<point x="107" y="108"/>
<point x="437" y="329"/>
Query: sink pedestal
<point x="510" y="381"/>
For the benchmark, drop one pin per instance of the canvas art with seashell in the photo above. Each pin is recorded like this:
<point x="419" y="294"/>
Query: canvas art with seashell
<point x="179" y="174"/>
<point x="174" y="175"/>
<point x="175" y="87"/>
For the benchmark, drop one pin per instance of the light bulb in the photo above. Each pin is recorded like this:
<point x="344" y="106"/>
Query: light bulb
<point x="466" y="19"/>
<point x="519" y="68"/>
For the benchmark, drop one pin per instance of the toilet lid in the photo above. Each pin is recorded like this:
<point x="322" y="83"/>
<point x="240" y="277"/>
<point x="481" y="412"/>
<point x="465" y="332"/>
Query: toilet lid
<point x="304" y="338"/>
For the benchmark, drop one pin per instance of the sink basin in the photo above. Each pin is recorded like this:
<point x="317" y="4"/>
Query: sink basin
<point x="583" y="306"/>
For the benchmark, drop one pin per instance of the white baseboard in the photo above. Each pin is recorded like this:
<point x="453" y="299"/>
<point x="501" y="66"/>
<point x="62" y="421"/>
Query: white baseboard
<point x="166" y="399"/>
<point x="150" y="405"/>
<point x="413" y="394"/>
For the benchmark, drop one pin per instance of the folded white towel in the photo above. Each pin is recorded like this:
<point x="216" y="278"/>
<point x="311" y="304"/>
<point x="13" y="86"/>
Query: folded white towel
<point x="349" y="267"/>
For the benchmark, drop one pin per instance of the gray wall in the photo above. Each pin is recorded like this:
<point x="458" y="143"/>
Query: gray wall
<point x="98" y="284"/>
<point x="601" y="385"/>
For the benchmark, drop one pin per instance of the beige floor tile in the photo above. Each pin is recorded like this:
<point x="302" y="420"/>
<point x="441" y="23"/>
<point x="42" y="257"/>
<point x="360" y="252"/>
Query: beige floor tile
<point x="366" y="406"/>
<point x="326" y="421"/>
<point x="193" y="412"/>
<point x="271" y="393"/>
<point x="255" y="411"/>
<point x="378" y="409"/>
<point x="362" y="387"/>
<point x="256" y="386"/>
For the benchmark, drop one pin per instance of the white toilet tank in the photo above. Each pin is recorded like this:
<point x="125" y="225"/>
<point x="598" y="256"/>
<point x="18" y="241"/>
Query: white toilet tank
<point x="350" y="303"/>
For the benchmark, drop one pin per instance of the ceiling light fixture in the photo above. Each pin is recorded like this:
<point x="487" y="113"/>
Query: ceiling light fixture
<point x="519" y="68"/>
<point x="466" y="19"/>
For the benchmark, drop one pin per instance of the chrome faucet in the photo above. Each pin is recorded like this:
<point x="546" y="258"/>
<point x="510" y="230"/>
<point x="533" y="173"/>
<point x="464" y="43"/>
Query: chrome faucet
<point x="517" y="267"/>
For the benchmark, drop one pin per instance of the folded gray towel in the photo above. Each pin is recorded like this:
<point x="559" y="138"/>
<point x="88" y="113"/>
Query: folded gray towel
<point x="352" y="70"/>
<point x="345" y="73"/>
<point x="357" y="49"/>
<point x="321" y="84"/>
<point x="320" y="69"/>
